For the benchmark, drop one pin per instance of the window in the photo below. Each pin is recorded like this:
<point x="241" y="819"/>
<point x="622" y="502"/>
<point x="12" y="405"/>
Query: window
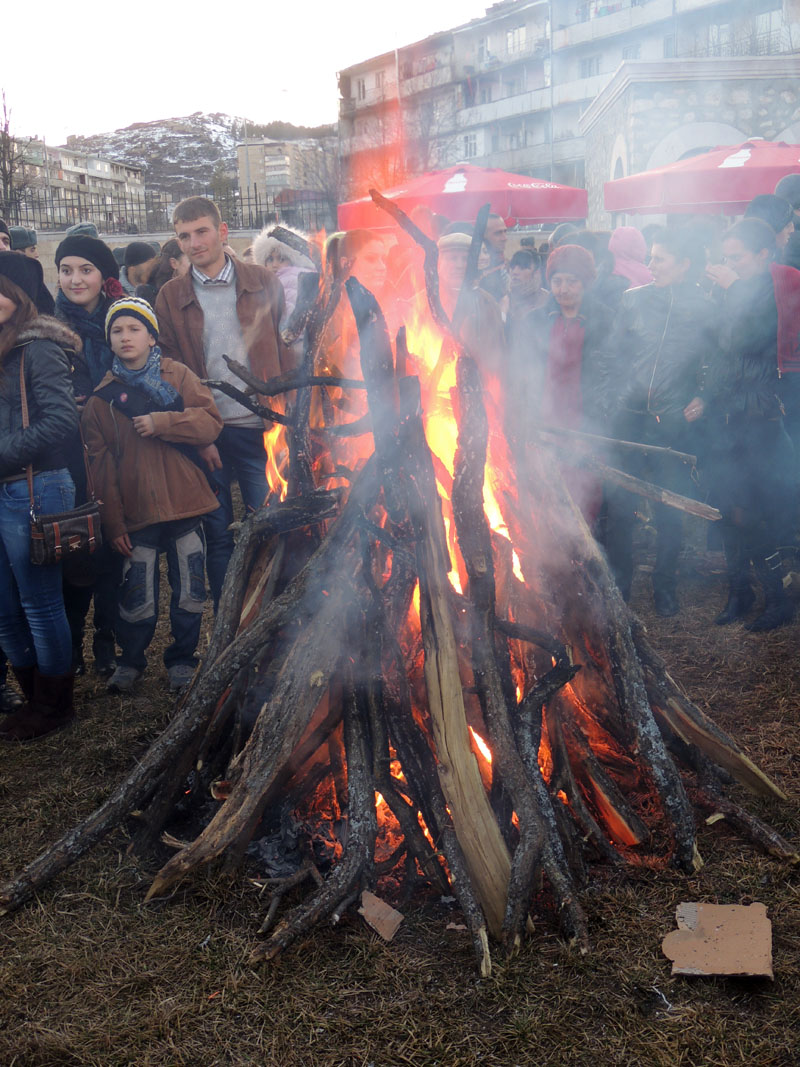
<point x="379" y="79"/>
<point x="483" y="50"/>
<point x="631" y="51"/>
<point x="515" y="40"/>
<point x="669" y="46"/>
<point x="361" y="89"/>
<point x="590" y="66"/>
<point x="470" y="145"/>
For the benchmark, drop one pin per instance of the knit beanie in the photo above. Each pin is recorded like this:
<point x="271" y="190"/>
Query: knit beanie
<point x="774" y="210"/>
<point x="137" y="309"/>
<point x="138" y="252"/>
<point x="571" y="259"/>
<point x="22" y="271"/>
<point x="93" y="249"/>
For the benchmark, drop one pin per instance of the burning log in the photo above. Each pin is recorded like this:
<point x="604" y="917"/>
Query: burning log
<point x="445" y="653"/>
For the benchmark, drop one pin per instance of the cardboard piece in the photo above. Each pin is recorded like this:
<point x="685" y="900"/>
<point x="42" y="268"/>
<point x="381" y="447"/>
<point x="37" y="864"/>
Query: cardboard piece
<point x="381" y="916"/>
<point x="732" y="939"/>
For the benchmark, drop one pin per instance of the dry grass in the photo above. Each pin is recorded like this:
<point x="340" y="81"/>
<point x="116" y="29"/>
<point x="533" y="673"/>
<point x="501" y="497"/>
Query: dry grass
<point x="91" y="978"/>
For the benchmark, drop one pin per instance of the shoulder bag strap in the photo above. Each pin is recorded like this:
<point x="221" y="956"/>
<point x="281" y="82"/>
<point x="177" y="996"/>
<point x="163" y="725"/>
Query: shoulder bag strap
<point x="25" y="424"/>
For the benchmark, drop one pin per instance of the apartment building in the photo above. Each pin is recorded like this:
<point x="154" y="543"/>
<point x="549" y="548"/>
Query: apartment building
<point x="513" y="89"/>
<point x="266" y="167"/>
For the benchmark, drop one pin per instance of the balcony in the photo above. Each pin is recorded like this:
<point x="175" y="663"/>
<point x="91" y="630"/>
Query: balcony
<point x="533" y="100"/>
<point x="428" y="79"/>
<point x="608" y="20"/>
<point x="531" y="48"/>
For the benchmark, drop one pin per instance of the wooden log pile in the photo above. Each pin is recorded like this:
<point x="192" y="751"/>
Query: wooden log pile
<point x="344" y="657"/>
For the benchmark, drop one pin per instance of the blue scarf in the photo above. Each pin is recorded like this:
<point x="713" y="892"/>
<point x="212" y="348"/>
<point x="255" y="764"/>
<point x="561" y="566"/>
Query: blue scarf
<point x="91" y="328"/>
<point x="148" y="379"/>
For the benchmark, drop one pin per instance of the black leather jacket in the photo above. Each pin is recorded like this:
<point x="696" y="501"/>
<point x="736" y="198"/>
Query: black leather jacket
<point x="662" y="339"/>
<point x="743" y="379"/>
<point x="52" y="413"/>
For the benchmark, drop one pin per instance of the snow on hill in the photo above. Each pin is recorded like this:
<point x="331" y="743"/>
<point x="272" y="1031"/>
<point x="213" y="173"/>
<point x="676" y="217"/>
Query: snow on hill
<point x="179" y="155"/>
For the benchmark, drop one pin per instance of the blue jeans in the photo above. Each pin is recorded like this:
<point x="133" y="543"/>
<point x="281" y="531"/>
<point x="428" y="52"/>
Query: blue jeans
<point x="33" y="624"/>
<point x="183" y="543"/>
<point x="244" y="460"/>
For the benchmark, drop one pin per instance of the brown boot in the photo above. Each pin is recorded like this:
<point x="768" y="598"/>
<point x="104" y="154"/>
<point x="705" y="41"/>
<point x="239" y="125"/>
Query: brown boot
<point x="50" y="709"/>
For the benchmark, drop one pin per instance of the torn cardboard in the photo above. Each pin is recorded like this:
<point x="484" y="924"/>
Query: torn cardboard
<point x="724" y="939"/>
<point x="381" y="916"/>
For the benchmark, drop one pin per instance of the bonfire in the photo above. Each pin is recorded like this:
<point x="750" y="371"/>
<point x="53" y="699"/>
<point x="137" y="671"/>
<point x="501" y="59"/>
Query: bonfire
<point x="425" y="647"/>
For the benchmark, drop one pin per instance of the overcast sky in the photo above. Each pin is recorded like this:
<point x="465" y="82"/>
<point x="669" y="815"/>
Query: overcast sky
<point x="93" y="67"/>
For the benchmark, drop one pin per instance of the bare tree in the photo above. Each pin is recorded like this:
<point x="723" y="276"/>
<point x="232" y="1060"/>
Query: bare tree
<point x="15" y="180"/>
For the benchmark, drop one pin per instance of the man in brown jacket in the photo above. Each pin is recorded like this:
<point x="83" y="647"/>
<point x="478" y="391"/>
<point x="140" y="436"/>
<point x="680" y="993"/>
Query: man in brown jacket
<point x="223" y="307"/>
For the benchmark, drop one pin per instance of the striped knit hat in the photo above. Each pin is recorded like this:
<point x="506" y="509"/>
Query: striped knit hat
<point x="138" y="309"/>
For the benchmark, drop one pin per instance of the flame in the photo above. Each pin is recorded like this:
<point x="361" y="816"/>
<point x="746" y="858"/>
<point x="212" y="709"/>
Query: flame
<point x="277" y="450"/>
<point x="481" y="745"/>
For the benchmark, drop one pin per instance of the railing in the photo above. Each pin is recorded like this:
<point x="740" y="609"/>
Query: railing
<point x="743" y="44"/>
<point x="54" y="209"/>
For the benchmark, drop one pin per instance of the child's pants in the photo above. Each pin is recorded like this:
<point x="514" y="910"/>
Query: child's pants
<point x="184" y="544"/>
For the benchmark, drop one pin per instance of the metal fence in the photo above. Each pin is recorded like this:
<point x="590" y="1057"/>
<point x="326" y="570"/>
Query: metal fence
<point x="53" y="209"/>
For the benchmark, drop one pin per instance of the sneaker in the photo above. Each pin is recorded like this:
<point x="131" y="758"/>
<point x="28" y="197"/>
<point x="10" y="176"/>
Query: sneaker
<point x="123" y="679"/>
<point x="180" y="674"/>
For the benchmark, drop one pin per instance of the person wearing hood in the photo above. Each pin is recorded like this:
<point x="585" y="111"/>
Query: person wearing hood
<point x="663" y="334"/>
<point x="557" y="377"/>
<point x="286" y="261"/>
<point x="34" y="631"/>
<point x="629" y="249"/>
<point x="88" y="283"/>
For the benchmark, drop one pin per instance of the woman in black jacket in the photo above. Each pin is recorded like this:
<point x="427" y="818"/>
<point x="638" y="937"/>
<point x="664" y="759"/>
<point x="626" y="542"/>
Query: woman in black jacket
<point x="750" y="467"/>
<point x="662" y="337"/>
<point x="33" y="624"/>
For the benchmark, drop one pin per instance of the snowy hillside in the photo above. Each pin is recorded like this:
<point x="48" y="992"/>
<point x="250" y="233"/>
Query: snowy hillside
<point x="180" y="155"/>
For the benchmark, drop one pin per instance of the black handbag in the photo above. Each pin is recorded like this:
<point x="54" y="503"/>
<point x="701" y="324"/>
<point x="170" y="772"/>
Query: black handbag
<point x="69" y="536"/>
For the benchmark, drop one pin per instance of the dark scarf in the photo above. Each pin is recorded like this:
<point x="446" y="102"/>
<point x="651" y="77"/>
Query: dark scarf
<point x="91" y="328"/>
<point x="147" y="379"/>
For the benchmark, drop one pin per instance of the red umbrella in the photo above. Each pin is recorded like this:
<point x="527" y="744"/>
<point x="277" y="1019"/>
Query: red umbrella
<point x="723" y="180"/>
<point x="459" y="192"/>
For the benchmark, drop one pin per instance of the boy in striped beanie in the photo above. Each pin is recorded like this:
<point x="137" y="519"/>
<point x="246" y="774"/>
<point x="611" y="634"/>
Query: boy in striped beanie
<point x="137" y="425"/>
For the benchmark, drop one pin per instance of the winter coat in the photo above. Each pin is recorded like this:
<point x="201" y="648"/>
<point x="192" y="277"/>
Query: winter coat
<point x="144" y="480"/>
<point x="661" y="338"/>
<point x="528" y="361"/>
<point x="52" y="414"/>
<point x="288" y="277"/>
<point x="742" y="380"/>
<point x="260" y="307"/>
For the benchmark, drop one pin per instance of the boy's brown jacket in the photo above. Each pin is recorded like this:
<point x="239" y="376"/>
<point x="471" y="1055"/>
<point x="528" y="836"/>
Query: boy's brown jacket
<point x="142" y="480"/>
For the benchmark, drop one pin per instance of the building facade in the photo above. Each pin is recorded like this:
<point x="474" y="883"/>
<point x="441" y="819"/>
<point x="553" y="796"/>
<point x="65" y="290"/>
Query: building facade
<point x="513" y="89"/>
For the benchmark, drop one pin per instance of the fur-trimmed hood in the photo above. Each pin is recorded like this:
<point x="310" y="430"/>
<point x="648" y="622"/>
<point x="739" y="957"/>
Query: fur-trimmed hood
<point x="48" y="328"/>
<point x="266" y="243"/>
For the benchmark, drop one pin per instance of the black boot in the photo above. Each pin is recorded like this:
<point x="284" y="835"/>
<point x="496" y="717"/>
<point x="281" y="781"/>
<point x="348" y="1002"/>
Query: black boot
<point x="25" y="677"/>
<point x="778" y="609"/>
<point x="740" y="591"/>
<point x="50" y="709"/>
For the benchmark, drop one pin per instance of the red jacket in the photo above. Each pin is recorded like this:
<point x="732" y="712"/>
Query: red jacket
<point x="259" y="303"/>
<point x="787" y="297"/>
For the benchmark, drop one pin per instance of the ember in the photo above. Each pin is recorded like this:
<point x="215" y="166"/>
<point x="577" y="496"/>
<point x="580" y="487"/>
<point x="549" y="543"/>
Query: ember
<point x="430" y="663"/>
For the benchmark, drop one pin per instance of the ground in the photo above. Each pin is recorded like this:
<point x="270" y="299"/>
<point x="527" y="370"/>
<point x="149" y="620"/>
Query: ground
<point x="92" y="978"/>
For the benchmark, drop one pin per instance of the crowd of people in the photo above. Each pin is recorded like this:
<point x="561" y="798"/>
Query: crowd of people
<point x="684" y="339"/>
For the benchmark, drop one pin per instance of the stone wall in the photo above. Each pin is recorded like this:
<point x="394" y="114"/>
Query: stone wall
<point x="650" y="122"/>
